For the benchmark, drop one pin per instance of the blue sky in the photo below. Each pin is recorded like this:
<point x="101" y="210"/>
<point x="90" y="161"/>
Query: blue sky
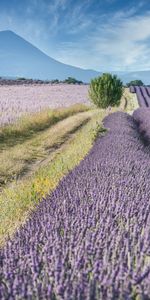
<point x="103" y="35"/>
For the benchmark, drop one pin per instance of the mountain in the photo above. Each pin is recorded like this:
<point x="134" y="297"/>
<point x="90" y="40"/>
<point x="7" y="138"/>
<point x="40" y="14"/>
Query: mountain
<point x="142" y="75"/>
<point x="19" y="58"/>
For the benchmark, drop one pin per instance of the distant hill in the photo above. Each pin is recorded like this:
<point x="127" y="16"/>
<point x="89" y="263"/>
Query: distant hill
<point x="19" y="58"/>
<point x="142" y="75"/>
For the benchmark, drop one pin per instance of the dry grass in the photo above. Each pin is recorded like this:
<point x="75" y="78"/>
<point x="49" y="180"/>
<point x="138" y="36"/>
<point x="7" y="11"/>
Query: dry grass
<point x="19" y="199"/>
<point x="29" y="125"/>
<point x="129" y="101"/>
<point x="17" y="161"/>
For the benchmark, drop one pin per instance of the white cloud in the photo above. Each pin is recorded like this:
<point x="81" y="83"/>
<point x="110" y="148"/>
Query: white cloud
<point x="121" y="43"/>
<point x="108" y="42"/>
<point x="126" y="41"/>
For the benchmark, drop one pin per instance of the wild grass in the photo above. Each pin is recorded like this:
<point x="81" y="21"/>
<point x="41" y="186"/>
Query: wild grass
<point x="19" y="160"/>
<point x="129" y="101"/>
<point x="28" y="125"/>
<point x="21" y="197"/>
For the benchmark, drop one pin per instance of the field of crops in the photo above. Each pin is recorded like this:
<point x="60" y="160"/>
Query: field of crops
<point x="91" y="238"/>
<point x="143" y="95"/>
<point x="16" y="101"/>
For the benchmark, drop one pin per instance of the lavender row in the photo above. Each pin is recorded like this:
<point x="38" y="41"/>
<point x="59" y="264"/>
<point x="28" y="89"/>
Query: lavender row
<point x="132" y="89"/>
<point x="142" y="118"/>
<point x="91" y="238"/>
<point x="143" y="95"/>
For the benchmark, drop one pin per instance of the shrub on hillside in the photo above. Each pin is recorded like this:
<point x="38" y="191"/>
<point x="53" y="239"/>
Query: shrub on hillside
<point x="135" y="83"/>
<point x="106" y="90"/>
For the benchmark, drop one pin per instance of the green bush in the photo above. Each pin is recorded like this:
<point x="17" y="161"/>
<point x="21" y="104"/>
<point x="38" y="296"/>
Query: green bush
<point x="21" y="78"/>
<point x="106" y="90"/>
<point x="71" y="80"/>
<point x="54" y="81"/>
<point x="135" y="83"/>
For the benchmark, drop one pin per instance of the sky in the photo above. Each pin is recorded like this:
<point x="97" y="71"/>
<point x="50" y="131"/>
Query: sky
<point x="104" y="35"/>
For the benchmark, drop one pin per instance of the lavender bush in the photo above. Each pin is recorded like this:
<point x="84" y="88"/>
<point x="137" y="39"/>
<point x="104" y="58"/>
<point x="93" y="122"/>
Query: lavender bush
<point x="143" y="95"/>
<point x="91" y="238"/>
<point x="140" y="97"/>
<point x="142" y="118"/>
<point x="148" y="91"/>
<point x="18" y="100"/>
<point x="132" y="89"/>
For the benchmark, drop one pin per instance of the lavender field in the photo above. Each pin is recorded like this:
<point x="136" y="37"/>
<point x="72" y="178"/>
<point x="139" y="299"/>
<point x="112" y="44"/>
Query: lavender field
<point x="74" y="150"/>
<point x="91" y="238"/>
<point x="143" y="95"/>
<point x="16" y="101"/>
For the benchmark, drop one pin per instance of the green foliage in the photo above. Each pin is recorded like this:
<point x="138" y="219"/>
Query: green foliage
<point x="55" y="81"/>
<point x="72" y="80"/>
<point x="135" y="83"/>
<point x="106" y="90"/>
<point x="98" y="129"/>
<point x="21" y="78"/>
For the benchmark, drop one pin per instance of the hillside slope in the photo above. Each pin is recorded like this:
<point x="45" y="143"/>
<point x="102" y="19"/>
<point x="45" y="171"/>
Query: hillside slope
<point x="20" y="58"/>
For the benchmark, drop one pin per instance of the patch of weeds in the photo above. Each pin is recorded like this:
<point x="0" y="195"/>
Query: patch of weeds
<point x="98" y="130"/>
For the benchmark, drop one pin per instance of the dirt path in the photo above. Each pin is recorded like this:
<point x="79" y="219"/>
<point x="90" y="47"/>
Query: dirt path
<point x="22" y="160"/>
